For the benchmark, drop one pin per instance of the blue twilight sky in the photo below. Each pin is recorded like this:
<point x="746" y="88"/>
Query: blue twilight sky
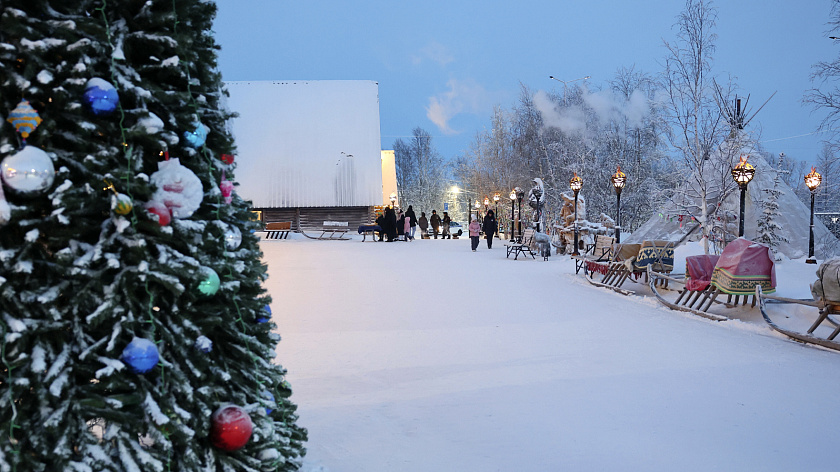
<point x="444" y="65"/>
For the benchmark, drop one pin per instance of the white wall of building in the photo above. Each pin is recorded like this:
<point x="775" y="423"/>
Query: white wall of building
<point x="309" y="143"/>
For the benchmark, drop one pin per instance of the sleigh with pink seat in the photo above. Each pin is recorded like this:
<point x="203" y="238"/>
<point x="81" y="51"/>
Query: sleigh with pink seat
<point x="735" y="274"/>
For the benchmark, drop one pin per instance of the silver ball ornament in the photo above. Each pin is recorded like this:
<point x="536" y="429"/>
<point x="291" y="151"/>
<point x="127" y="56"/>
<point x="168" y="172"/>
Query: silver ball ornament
<point x="28" y="171"/>
<point x="233" y="238"/>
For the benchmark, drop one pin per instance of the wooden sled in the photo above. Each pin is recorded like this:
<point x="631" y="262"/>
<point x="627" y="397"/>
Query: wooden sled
<point x="825" y="309"/>
<point x="708" y="277"/>
<point x="630" y="262"/>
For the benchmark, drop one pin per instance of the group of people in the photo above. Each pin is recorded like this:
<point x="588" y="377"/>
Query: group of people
<point x="397" y="225"/>
<point x="439" y="226"/>
<point x="394" y="226"/>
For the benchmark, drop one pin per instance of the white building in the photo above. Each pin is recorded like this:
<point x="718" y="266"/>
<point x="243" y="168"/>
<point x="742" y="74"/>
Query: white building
<point x="308" y="151"/>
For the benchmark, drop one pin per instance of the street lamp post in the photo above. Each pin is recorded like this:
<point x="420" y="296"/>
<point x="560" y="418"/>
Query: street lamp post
<point x="512" y="210"/>
<point x="393" y="199"/>
<point x="812" y="180"/>
<point x="564" y="85"/>
<point x="576" y="184"/>
<point x="538" y="212"/>
<point x="742" y="174"/>
<point x="618" y="181"/>
<point x="520" y="194"/>
<point x="496" y="198"/>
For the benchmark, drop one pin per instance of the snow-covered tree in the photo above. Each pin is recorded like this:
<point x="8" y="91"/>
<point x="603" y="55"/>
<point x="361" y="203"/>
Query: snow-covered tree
<point x="421" y="176"/>
<point x="123" y="333"/>
<point x="825" y="96"/>
<point x="827" y="202"/>
<point x="769" y="230"/>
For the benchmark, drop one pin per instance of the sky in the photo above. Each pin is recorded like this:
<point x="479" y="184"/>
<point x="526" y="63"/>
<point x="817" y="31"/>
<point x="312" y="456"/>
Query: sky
<point x="444" y="65"/>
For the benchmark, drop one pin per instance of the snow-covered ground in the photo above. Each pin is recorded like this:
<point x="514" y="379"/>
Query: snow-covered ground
<point x="425" y="356"/>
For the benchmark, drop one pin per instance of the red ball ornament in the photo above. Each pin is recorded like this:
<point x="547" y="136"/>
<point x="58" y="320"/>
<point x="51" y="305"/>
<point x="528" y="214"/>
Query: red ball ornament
<point x="227" y="158"/>
<point x="162" y="212"/>
<point x="231" y="428"/>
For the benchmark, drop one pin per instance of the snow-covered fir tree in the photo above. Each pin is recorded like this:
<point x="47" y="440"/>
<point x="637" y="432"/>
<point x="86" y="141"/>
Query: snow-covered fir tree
<point x="89" y="266"/>
<point x="769" y="231"/>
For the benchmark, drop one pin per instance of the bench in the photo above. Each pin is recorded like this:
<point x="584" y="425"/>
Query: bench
<point x="599" y="251"/>
<point x="523" y="247"/>
<point x="278" y="230"/>
<point x="371" y="230"/>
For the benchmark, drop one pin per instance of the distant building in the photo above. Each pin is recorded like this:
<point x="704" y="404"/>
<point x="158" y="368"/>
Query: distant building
<point x="309" y="151"/>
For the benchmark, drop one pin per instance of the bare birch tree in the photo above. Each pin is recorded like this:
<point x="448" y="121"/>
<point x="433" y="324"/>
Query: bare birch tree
<point x="421" y="174"/>
<point x="825" y="96"/>
<point x="698" y="129"/>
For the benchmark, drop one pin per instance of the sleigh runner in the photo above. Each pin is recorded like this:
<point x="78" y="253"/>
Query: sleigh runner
<point x="826" y="300"/>
<point x="631" y="262"/>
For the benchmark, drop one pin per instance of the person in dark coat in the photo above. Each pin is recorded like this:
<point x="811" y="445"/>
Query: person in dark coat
<point x="390" y="224"/>
<point x="412" y="221"/>
<point x="435" y="222"/>
<point x="380" y="220"/>
<point x="490" y="227"/>
<point x="423" y="222"/>
<point x="400" y="223"/>
<point x="445" y="225"/>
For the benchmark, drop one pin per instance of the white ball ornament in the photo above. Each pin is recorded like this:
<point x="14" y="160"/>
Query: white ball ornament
<point x="28" y="171"/>
<point x="5" y="209"/>
<point x="178" y="188"/>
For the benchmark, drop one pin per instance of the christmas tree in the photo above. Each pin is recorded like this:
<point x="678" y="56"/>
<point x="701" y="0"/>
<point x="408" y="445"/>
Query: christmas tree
<point x="769" y="230"/>
<point x="135" y="332"/>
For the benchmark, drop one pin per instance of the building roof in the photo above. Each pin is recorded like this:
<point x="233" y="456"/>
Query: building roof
<point x="307" y="143"/>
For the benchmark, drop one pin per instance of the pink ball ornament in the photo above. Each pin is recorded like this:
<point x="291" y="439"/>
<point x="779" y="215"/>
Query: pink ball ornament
<point x="227" y="190"/>
<point x="163" y="214"/>
<point x="230" y="428"/>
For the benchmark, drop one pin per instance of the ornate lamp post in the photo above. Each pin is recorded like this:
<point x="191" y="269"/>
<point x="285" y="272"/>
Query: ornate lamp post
<point x="538" y="212"/>
<point x="618" y="181"/>
<point x="393" y="198"/>
<point x="576" y="184"/>
<point x="486" y="204"/>
<point x="812" y="180"/>
<point x="512" y="210"/>
<point x="742" y="174"/>
<point x="520" y="194"/>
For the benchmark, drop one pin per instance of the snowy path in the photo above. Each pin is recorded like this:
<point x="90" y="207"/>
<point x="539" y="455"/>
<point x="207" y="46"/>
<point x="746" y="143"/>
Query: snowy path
<point x="425" y="356"/>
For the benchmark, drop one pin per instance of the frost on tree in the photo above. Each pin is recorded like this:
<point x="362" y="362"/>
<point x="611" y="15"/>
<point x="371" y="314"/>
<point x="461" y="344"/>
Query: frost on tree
<point x="117" y="345"/>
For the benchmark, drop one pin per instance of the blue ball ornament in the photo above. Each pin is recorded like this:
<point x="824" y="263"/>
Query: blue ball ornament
<point x="100" y="96"/>
<point x="266" y="316"/>
<point x="197" y="137"/>
<point x="268" y="396"/>
<point x="141" y="355"/>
